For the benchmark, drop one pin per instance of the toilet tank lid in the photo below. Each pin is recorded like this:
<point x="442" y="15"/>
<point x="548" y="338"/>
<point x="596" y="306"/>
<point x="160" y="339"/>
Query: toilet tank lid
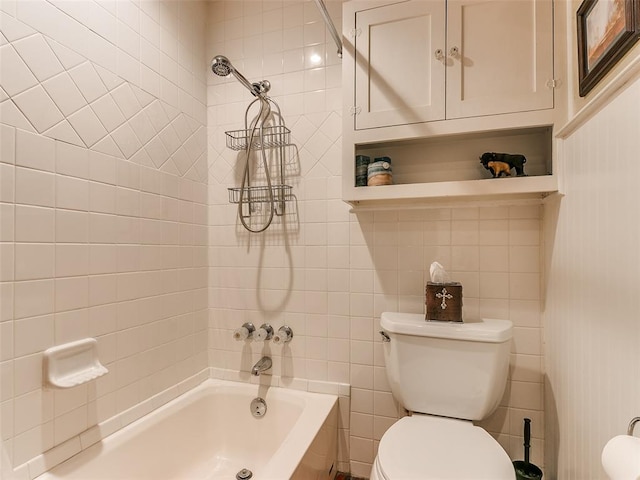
<point x="485" y="330"/>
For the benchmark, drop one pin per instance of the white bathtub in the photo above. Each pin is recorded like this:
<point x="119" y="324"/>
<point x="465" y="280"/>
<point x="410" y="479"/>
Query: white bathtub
<point x="210" y="433"/>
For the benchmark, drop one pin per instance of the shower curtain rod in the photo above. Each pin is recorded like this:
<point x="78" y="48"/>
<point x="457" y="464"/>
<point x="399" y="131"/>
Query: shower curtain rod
<point x="332" y="28"/>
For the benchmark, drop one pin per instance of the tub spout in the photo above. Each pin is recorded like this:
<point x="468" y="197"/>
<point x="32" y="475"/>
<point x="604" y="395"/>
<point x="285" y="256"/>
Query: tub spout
<point x="263" y="364"/>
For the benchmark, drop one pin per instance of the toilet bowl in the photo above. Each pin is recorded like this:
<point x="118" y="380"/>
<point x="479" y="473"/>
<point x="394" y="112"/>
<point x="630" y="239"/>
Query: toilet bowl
<point x="424" y="447"/>
<point x="448" y="375"/>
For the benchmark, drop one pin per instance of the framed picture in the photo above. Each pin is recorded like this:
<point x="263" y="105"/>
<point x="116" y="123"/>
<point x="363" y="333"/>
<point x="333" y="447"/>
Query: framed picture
<point x="607" y="29"/>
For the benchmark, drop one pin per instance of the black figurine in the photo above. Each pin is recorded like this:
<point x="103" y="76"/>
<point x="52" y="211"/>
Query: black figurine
<point x="499" y="163"/>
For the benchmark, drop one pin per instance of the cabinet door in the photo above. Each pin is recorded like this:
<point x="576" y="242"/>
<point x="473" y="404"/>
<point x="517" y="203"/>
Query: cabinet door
<point x="504" y="59"/>
<point x="398" y="77"/>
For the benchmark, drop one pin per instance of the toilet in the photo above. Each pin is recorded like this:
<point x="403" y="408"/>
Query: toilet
<point x="447" y="375"/>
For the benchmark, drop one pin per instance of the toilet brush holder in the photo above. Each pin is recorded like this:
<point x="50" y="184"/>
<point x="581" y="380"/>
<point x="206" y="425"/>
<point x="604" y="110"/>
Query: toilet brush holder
<point x="524" y="469"/>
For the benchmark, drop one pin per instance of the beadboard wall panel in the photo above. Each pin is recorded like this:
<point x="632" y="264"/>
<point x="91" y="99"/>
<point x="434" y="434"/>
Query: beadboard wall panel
<point x="592" y="314"/>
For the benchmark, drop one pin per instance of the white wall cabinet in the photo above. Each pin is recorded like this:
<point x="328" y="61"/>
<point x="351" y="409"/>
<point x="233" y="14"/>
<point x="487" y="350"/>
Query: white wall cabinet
<point x="419" y="61"/>
<point x="427" y="72"/>
<point x="398" y="77"/>
<point x="504" y="61"/>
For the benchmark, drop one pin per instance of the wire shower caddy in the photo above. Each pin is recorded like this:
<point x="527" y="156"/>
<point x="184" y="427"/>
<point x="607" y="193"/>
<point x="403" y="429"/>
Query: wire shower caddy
<point x="258" y="137"/>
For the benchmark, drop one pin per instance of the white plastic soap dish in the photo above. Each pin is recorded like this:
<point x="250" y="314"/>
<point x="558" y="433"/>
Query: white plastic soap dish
<point x="73" y="363"/>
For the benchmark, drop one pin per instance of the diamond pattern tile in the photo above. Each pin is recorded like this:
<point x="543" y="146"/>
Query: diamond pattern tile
<point x="142" y="127"/>
<point x="64" y="93"/>
<point x="49" y="88"/>
<point x="126" y="100"/>
<point x="86" y="123"/>
<point x="39" y="57"/>
<point x="65" y="133"/>
<point x="126" y="140"/>
<point x="13" y="29"/>
<point x="10" y="115"/>
<point x="38" y="107"/>
<point x="108" y="112"/>
<point x="67" y="57"/>
<point x="88" y="82"/>
<point x="15" y="76"/>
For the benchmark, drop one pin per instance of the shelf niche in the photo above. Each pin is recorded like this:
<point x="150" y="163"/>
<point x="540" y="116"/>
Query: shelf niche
<point x="449" y="166"/>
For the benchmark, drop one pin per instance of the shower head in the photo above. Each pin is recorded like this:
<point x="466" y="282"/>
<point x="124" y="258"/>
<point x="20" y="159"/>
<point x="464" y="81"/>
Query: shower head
<point x="220" y="65"/>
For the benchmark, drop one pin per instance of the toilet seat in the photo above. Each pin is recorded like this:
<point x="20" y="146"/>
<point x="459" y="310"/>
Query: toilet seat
<point x="424" y="447"/>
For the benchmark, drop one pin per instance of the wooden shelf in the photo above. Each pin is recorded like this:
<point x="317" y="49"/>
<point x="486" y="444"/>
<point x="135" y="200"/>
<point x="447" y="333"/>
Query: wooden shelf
<point x="490" y="189"/>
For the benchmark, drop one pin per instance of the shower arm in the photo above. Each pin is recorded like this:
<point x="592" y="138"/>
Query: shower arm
<point x="332" y="28"/>
<point x="258" y="89"/>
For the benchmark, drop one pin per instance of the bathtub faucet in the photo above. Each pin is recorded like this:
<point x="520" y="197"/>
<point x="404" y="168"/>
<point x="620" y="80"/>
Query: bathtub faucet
<point x="263" y="364"/>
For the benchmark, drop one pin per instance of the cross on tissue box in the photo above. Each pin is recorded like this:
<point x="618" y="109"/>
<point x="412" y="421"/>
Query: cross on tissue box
<point x="444" y="301"/>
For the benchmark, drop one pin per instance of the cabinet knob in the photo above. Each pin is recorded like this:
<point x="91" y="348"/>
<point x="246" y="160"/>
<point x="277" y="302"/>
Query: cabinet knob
<point x="439" y="54"/>
<point x="454" y="52"/>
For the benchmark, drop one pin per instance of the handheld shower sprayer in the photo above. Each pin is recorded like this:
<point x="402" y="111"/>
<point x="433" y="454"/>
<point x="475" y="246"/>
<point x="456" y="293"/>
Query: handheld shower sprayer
<point x="221" y="66"/>
<point x="265" y="132"/>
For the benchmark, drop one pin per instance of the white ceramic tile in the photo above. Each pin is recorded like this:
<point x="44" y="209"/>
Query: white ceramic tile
<point x="7" y="144"/>
<point x="68" y="327"/>
<point x="126" y="140"/>
<point x="71" y="293"/>
<point x="35" y="151"/>
<point x="71" y="226"/>
<point x="524" y="232"/>
<point x="32" y="409"/>
<point x="7" y="222"/>
<point x="70" y="424"/>
<point x="86" y="124"/>
<point x="11" y="115"/>
<point x="110" y="80"/>
<point x="88" y="81"/>
<point x="34" y="224"/>
<point x="64" y="93"/>
<point x="494" y="259"/>
<point x="494" y="285"/>
<point x="34" y="261"/>
<point x="72" y="193"/>
<point x="72" y="160"/>
<point x="34" y="187"/>
<point x="15" y="76"/>
<point x="38" y="108"/>
<point x="64" y="132"/>
<point x="126" y="100"/>
<point x="524" y="286"/>
<point x="102" y="168"/>
<point x="67" y="57"/>
<point x="142" y="127"/>
<point x="7" y="253"/>
<point x="6" y="303"/>
<point x="71" y="260"/>
<point x="108" y="112"/>
<point x="38" y="56"/>
<point x="108" y="146"/>
<point x="12" y="28"/>
<point x="157" y="152"/>
<point x="33" y="335"/>
<point x="524" y="259"/>
<point x="102" y="198"/>
<point x="33" y="298"/>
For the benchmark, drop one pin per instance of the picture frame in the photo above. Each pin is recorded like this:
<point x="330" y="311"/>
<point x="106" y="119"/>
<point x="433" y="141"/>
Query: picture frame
<point x="607" y="29"/>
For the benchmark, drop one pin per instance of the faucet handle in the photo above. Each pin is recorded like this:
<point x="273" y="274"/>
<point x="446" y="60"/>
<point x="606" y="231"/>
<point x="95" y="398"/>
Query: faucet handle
<point x="265" y="332"/>
<point x="284" y="335"/>
<point x="245" y="332"/>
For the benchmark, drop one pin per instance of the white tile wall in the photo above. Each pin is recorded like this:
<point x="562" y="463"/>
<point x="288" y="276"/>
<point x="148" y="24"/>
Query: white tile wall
<point x="331" y="273"/>
<point x="103" y="222"/>
<point x="97" y="239"/>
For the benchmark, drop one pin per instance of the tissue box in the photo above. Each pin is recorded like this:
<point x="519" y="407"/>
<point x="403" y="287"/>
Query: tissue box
<point x="444" y="301"/>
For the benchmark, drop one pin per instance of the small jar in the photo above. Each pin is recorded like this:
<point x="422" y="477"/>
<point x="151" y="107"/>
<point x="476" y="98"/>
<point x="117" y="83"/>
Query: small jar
<point x="362" y="162"/>
<point x="379" y="173"/>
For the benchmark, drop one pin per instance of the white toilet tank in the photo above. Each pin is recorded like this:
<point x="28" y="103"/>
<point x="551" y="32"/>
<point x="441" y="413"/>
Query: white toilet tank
<point x="456" y="370"/>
